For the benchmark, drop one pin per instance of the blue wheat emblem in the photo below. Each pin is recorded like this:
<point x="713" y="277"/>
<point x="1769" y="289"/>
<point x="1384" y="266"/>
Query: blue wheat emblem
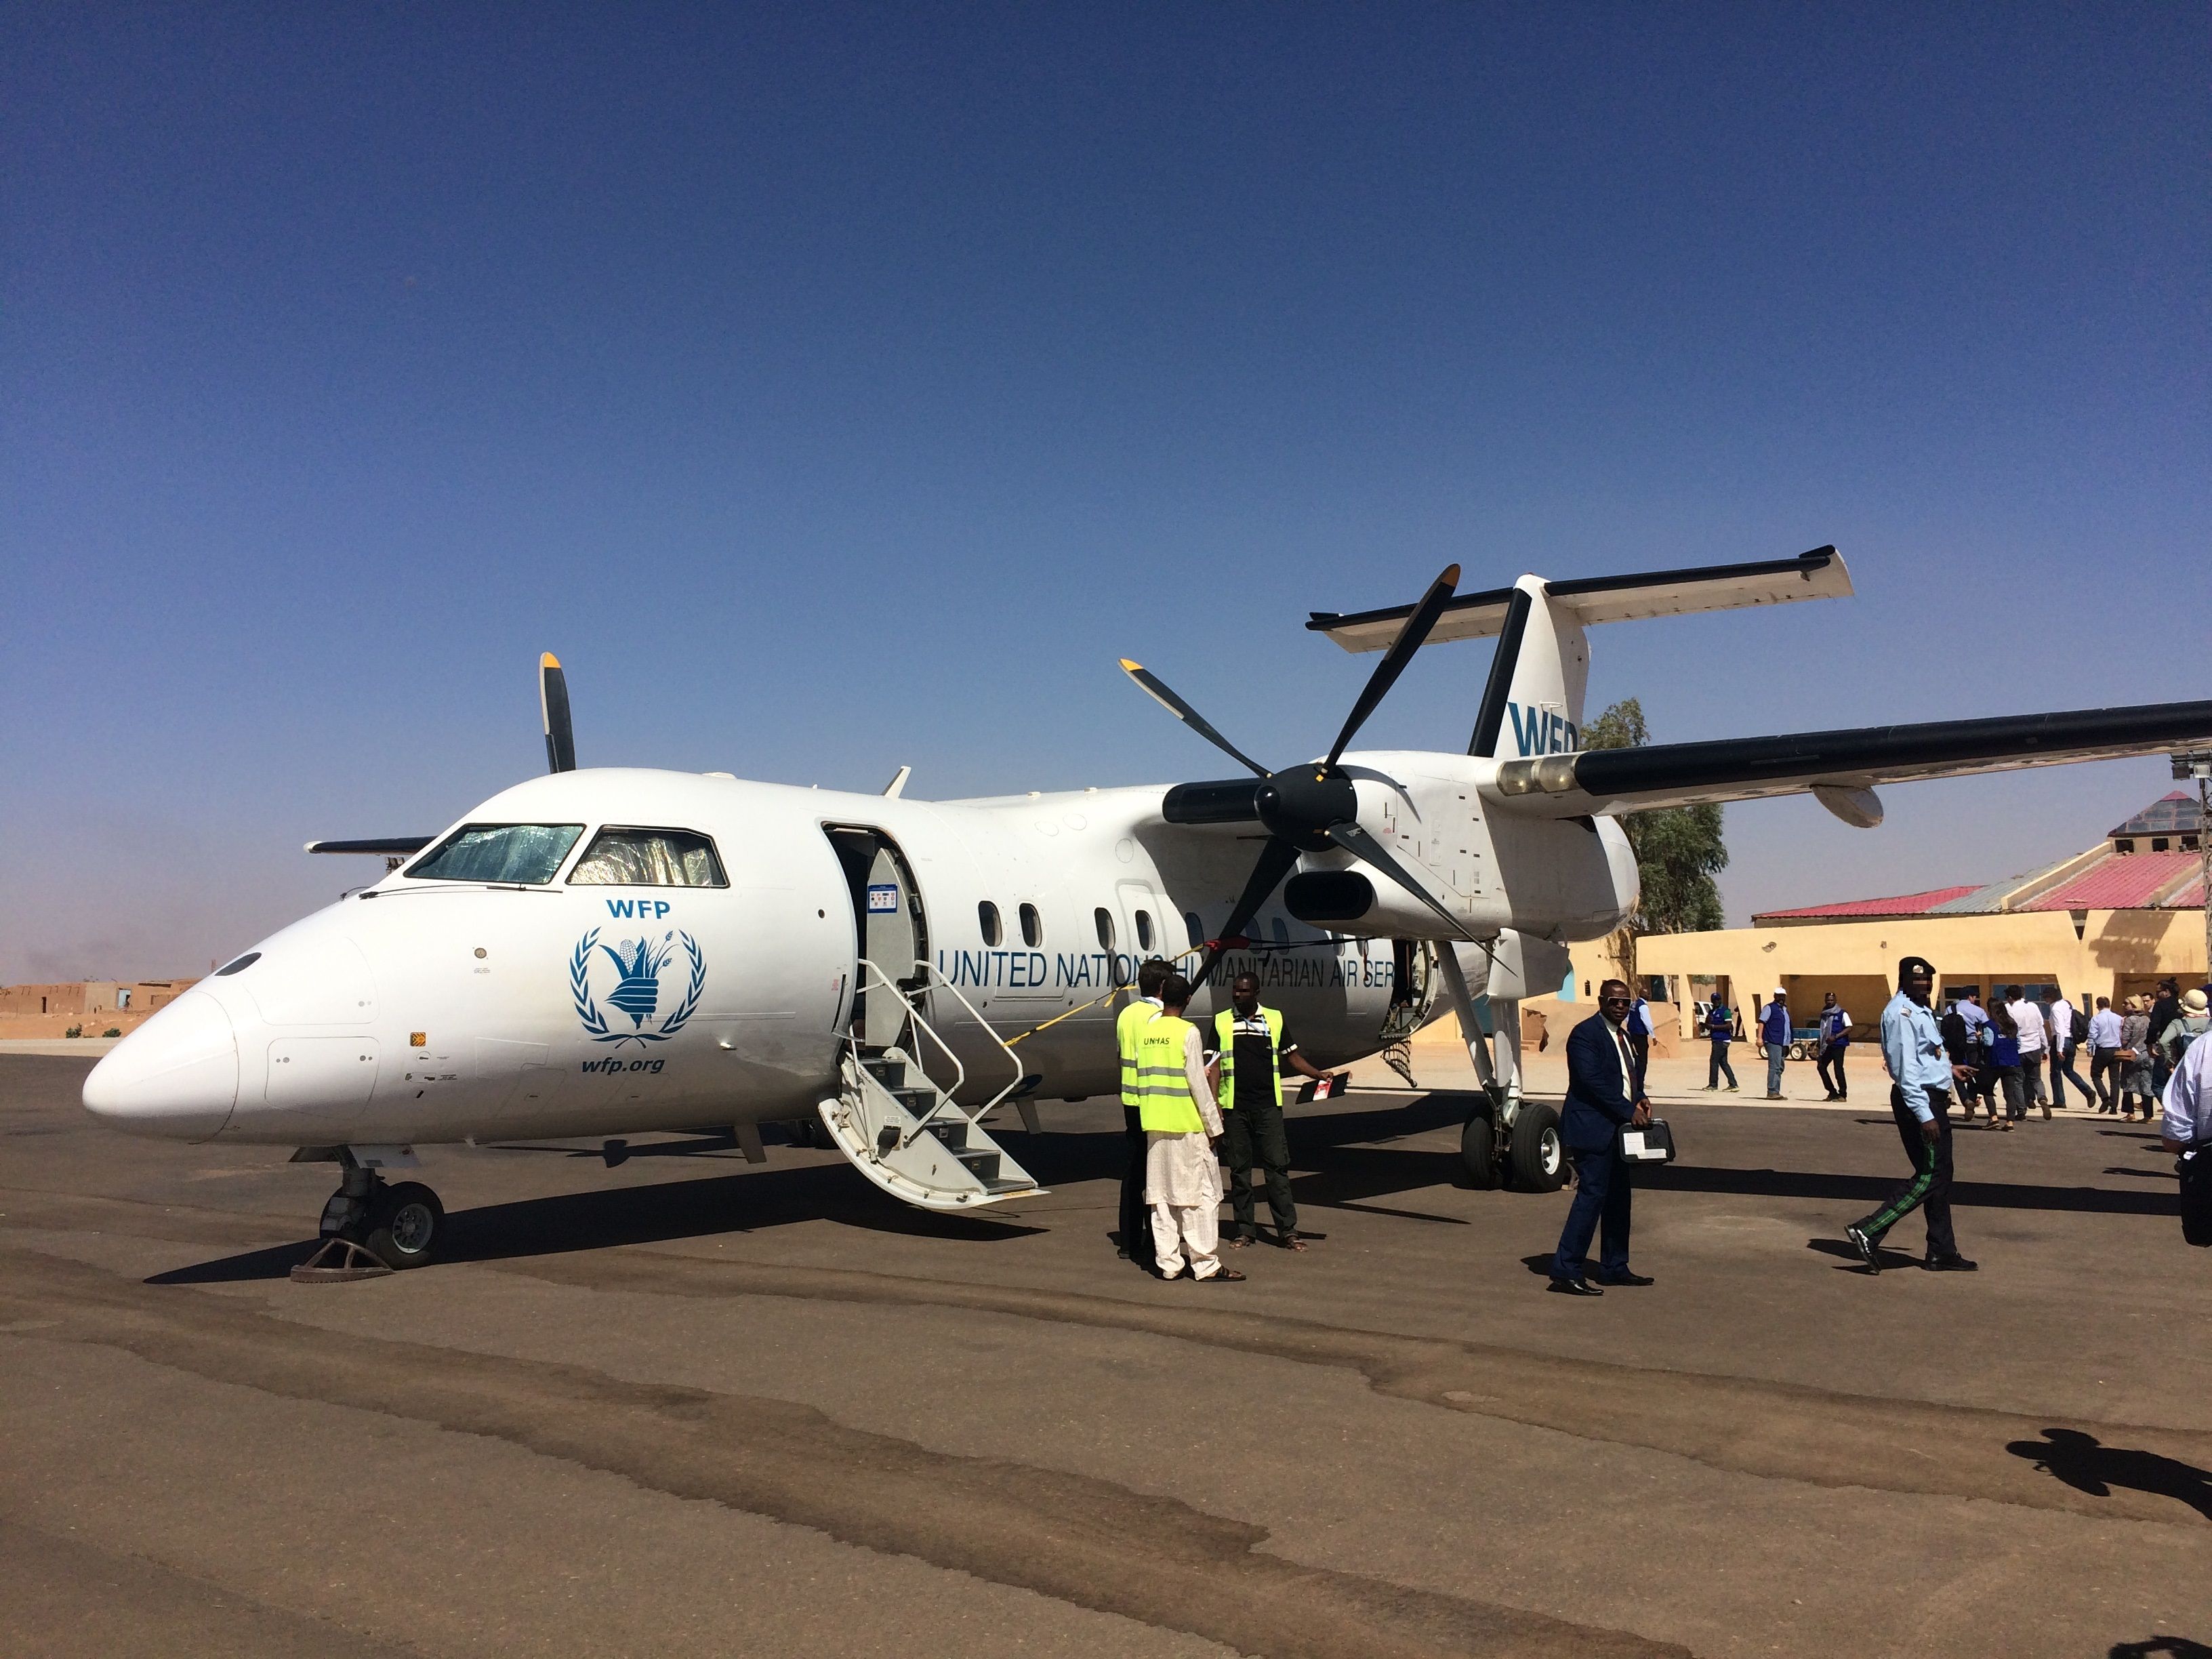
<point x="639" y="964"/>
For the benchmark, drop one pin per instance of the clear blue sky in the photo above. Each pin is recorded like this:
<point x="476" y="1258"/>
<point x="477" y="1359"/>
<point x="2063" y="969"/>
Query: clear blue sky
<point x="839" y="387"/>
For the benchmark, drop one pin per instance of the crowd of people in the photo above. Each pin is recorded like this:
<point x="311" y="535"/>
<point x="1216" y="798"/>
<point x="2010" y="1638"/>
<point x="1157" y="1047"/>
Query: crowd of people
<point x="1187" y="1101"/>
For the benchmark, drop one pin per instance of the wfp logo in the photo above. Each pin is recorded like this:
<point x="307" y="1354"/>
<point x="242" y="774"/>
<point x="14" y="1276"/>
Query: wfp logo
<point x="630" y="974"/>
<point x="1543" y="732"/>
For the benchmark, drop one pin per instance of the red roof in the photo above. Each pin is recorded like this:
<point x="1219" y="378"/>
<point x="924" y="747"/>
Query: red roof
<point x="2131" y="882"/>
<point x="1904" y="904"/>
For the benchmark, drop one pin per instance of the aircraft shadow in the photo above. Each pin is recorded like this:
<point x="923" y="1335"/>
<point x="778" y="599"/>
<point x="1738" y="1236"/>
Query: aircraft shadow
<point x="1871" y="1190"/>
<point x="562" y="1223"/>
<point x="2087" y="1465"/>
<point x="2159" y="1647"/>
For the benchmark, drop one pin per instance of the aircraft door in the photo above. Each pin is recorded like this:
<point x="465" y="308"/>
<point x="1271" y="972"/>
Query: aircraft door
<point x="1412" y="987"/>
<point x="891" y="930"/>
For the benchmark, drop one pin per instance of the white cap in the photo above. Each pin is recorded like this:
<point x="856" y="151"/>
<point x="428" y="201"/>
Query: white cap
<point x="1780" y="991"/>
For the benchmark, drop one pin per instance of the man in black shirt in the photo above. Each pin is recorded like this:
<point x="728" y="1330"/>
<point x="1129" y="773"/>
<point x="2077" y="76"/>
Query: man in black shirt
<point x="2163" y="1013"/>
<point x="1254" y="1042"/>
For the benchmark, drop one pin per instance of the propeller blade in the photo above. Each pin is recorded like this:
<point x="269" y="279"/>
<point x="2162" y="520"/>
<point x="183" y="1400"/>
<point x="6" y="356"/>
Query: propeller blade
<point x="553" y="705"/>
<point x="1182" y="711"/>
<point x="1357" y="841"/>
<point x="1276" y="859"/>
<point x="1409" y="640"/>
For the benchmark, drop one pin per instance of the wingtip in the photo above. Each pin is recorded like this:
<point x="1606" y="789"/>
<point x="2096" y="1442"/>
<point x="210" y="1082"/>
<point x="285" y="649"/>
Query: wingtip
<point x="547" y="660"/>
<point x="1450" y="576"/>
<point x="1128" y="667"/>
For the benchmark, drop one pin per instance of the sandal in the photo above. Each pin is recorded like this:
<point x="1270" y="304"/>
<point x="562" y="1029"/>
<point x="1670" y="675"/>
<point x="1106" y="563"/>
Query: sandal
<point x="1228" y="1273"/>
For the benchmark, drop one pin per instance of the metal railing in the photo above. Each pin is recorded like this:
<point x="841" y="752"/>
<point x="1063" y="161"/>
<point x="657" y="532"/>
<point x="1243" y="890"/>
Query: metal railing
<point x="871" y="976"/>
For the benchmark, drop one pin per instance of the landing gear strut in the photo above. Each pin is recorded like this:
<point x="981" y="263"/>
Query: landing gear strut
<point x="370" y="1227"/>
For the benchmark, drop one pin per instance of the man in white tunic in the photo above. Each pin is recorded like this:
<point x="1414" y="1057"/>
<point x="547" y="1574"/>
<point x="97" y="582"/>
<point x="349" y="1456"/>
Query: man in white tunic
<point x="1182" y="1176"/>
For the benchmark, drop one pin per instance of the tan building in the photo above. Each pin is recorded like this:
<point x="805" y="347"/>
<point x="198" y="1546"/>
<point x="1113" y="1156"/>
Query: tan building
<point x="93" y="1006"/>
<point x="2109" y="921"/>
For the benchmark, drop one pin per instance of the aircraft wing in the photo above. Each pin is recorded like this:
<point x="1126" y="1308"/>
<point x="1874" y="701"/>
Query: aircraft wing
<point x="1819" y="574"/>
<point x="1608" y="781"/>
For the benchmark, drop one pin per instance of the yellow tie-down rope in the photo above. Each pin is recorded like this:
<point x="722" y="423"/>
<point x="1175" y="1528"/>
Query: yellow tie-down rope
<point x="1255" y="947"/>
<point x="1196" y="950"/>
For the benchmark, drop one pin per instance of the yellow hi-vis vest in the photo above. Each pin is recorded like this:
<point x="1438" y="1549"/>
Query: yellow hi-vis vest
<point x="1225" y="1029"/>
<point x="1162" y="1086"/>
<point x="1127" y="1023"/>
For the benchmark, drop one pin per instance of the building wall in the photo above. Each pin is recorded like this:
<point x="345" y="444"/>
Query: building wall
<point x="48" y="1011"/>
<point x="2116" y="952"/>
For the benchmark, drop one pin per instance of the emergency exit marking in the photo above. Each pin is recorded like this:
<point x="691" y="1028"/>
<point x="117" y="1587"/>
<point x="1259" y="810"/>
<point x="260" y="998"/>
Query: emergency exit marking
<point x="883" y="899"/>
<point x="418" y="1039"/>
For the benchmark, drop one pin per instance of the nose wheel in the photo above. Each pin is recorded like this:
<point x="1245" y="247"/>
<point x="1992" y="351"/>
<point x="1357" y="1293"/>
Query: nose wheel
<point x="371" y="1228"/>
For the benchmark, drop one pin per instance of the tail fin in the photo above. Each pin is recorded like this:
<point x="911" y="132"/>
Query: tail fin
<point x="1532" y="704"/>
<point x="1533" y="701"/>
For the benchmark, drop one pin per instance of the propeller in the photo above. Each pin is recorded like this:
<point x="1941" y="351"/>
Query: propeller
<point x="553" y="703"/>
<point x="1311" y="807"/>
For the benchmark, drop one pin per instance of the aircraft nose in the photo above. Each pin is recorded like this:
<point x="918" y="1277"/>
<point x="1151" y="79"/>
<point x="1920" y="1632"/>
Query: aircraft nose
<point x="175" y="1076"/>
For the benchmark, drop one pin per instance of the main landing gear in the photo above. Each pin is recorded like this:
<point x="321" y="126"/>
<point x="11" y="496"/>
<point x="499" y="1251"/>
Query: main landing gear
<point x="1513" y="1143"/>
<point x="371" y="1227"/>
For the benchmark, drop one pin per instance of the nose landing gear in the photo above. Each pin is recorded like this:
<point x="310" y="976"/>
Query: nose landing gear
<point x="370" y="1228"/>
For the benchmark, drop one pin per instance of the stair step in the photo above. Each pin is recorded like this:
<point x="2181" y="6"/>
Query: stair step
<point x="984" y="1165"/>
<point x="952" y="1131"/>
<point x="1001" y="1184"/>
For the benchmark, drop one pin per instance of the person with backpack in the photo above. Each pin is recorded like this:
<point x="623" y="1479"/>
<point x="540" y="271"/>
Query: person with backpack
<point x="2181" y="1035"/>
<point x="2068" y="1028"/>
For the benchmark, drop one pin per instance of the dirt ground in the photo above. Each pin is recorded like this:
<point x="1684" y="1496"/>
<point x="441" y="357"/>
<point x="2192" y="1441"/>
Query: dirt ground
<point x="661" y="1400"/>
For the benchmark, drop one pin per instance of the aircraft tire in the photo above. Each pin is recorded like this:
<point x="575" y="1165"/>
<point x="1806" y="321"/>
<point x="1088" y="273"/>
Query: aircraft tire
<point x="1478" y="1148"/>
<point x="405" y="1225"/>
<point x="1539" y="1158"/>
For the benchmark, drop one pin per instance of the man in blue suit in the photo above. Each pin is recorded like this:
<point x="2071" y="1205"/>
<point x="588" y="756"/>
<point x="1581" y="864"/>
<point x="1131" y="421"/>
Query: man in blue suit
<point x="1605" y="1093"/>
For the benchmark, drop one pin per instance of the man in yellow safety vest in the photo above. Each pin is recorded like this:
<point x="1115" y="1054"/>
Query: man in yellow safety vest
<point x="1252" y="1047"/>
<point x="1183" y="1176"/>
<point x="1136" y="1219"/>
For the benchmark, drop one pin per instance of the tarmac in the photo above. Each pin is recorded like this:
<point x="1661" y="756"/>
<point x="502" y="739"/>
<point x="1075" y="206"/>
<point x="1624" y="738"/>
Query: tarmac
<point x="661" y="1400"/>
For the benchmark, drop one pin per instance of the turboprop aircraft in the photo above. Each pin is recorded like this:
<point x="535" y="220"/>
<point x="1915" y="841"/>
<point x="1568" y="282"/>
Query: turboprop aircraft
<point x="600" y="953"/>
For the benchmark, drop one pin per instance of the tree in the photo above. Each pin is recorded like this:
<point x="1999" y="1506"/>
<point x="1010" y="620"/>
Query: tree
<point x="1678" y="849"/>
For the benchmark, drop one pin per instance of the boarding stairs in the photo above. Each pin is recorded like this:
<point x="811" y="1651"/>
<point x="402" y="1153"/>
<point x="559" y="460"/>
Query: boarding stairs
<point x="908" y="1133"/>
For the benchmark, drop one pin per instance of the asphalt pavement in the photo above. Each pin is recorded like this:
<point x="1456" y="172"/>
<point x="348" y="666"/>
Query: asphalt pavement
<point x="661" y="1400"/>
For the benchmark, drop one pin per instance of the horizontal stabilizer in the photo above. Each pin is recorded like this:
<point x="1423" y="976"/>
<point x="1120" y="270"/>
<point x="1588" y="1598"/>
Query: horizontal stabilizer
<point x="1604" y="781"/>
<point x="1819" y="574"/>
<point x="389" y="847"/>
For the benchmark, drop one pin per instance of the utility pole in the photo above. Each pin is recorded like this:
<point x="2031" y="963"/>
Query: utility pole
<point x="2199" y="767"/>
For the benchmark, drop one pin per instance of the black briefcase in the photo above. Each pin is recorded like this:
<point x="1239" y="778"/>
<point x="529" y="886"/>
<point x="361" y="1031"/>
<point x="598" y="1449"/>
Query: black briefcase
<point x="1652" y="1143"/>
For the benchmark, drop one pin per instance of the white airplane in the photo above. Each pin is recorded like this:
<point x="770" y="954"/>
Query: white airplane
<point x="597" y="953"/>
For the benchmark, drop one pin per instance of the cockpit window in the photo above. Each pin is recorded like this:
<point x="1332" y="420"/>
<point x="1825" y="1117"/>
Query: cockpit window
<point x="526" y="853"/>
<point x="648" y="858"/>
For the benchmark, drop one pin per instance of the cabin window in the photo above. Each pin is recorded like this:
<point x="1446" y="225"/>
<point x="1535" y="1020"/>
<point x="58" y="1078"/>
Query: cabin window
<point x="648" y="858"/>
<point x="988" y="914"/>
<point x="1191" y="925"/>
<point x="526" y="854"/>
<point x="1144" y="930"/>
<point x="1104" y="921"/>
<point x="1032" y="926"/>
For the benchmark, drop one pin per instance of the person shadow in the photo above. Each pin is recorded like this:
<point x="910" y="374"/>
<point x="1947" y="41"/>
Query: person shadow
<point x="2086" y="1464"/>
<point x="2160" y="1647"/>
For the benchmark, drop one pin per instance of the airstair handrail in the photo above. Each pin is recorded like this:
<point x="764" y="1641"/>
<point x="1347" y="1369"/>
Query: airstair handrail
<point x="930" y="971"/>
